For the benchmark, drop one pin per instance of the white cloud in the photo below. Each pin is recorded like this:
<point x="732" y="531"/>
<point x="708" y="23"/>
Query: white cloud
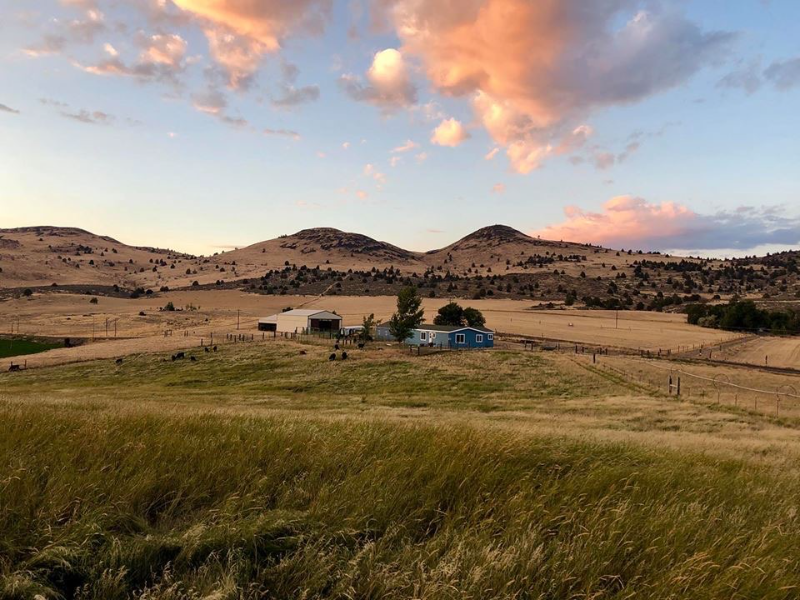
<point x="451" y="133"/>
<point x="389" y="82"/>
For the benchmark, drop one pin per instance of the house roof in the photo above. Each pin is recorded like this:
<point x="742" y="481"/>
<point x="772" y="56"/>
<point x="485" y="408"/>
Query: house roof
<point x="442" y="328"/>
<point x="451" y="328"/>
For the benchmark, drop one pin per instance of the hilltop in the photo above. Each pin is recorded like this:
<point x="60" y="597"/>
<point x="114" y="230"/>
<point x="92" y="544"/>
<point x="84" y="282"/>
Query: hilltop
<point x="324" y="247"/>
<point x="500" y="247"/>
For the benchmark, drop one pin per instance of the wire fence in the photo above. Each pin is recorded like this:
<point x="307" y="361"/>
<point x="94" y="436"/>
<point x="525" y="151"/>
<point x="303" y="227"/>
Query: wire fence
<point x="718" y="389"/>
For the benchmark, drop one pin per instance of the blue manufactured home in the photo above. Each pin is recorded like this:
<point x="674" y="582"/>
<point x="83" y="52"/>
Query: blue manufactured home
<point x="442" y="336"/>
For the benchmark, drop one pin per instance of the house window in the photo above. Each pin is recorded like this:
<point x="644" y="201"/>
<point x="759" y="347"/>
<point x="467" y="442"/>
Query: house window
<point x="491" y="337"/>
<point x="423" y="335"/>
<point x="479" y="339"/>
<point x="461" y="338"/>
<point x="433" y="336"/>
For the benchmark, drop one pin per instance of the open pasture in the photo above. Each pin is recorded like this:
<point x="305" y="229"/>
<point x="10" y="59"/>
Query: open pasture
<point x="618" y="399"/>
<point x="223" y="312"/>
<point x="259" y="471"/>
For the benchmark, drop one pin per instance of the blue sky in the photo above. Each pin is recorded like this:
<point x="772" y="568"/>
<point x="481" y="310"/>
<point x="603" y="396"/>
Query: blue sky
<point x="689" y="140"/>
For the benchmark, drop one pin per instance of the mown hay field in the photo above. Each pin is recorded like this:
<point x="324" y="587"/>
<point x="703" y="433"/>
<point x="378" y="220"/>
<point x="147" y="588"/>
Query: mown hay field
<point x="782" y="352"/>
<point x="260" y="472"/>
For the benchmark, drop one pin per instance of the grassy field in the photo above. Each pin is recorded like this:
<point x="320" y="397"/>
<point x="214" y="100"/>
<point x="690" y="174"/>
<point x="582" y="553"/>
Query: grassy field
<point x="23" y="346"/>
<point x="257" y="472"/>
<point x="219" y="311"/>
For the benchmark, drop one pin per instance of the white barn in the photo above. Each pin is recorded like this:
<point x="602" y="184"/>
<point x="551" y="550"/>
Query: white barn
<point x="301" y="321"/>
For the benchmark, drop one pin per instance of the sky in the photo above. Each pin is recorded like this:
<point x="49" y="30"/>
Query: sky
<point x="204" y="125"/>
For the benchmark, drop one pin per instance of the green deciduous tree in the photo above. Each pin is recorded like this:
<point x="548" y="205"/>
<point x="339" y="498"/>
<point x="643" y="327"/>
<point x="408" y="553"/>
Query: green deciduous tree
<point x="450" y="314"/>
<point x="474" y="317"/>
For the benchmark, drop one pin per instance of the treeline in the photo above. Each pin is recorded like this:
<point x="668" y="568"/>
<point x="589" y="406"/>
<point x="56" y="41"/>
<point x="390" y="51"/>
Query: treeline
<point x="744" y="315"/>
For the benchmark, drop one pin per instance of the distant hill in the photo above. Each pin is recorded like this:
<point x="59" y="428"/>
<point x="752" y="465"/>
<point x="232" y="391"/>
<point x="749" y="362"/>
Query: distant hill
<point x="38" y="256"/>
<point x="497" y="246"/>
<point x="324" y="247"/>
<point x="496" y="260"/>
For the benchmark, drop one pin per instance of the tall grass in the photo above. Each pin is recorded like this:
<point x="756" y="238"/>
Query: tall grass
<point x="103" y="504"/>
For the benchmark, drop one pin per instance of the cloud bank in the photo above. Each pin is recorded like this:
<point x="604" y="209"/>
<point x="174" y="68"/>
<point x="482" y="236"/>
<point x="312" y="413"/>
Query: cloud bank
<point x="632" y="222"/>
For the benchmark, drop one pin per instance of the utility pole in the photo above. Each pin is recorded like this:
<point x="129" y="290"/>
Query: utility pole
<point x="238" y="312"/>
<point x="616" y="320"/>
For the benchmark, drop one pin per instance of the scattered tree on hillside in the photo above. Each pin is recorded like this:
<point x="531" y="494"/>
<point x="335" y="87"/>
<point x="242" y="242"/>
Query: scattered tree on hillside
<point x="408" y="316"/>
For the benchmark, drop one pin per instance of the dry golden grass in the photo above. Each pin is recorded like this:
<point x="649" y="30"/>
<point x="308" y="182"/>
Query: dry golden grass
<point x="781" y="352"/>
<point x="218" y="312"/>
<point x="260" y="472"/>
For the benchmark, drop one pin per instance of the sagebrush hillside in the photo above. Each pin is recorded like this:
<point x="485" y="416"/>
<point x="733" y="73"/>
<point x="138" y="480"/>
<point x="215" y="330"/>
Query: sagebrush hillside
<point x="496" y="261"/>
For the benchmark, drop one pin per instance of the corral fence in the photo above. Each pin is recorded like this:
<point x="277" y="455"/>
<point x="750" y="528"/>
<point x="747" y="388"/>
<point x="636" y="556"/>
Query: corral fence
<point x="718" y="389"/>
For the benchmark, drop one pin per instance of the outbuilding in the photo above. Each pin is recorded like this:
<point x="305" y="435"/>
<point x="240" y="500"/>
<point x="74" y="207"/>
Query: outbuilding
<point x="444" y="336"/>
<point x="302" y="321"/>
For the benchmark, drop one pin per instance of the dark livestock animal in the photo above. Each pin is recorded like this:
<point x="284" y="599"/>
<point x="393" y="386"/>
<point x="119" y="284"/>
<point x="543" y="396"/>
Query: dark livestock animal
<point x="332" y="357"/>
<point x="344" y="355"/>
<point x="118" y="361"/>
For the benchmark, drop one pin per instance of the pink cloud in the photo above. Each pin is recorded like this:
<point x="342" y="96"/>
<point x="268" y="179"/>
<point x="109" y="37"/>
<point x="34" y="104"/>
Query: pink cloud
<point x="535" y="70"/>
<point x="409" y="145"/>
<point x="241" y="32"/>
<point x="632" y="222"/>
<point x="625" y="221"/>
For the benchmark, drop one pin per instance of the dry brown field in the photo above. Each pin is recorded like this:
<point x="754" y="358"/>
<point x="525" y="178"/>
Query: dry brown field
<point x="782" y="352"/>
<point x="116" y="326"/>
<point x="740" y="388"/>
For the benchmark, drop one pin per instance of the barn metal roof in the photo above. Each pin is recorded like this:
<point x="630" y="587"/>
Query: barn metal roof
<point x="300" y="312"/>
